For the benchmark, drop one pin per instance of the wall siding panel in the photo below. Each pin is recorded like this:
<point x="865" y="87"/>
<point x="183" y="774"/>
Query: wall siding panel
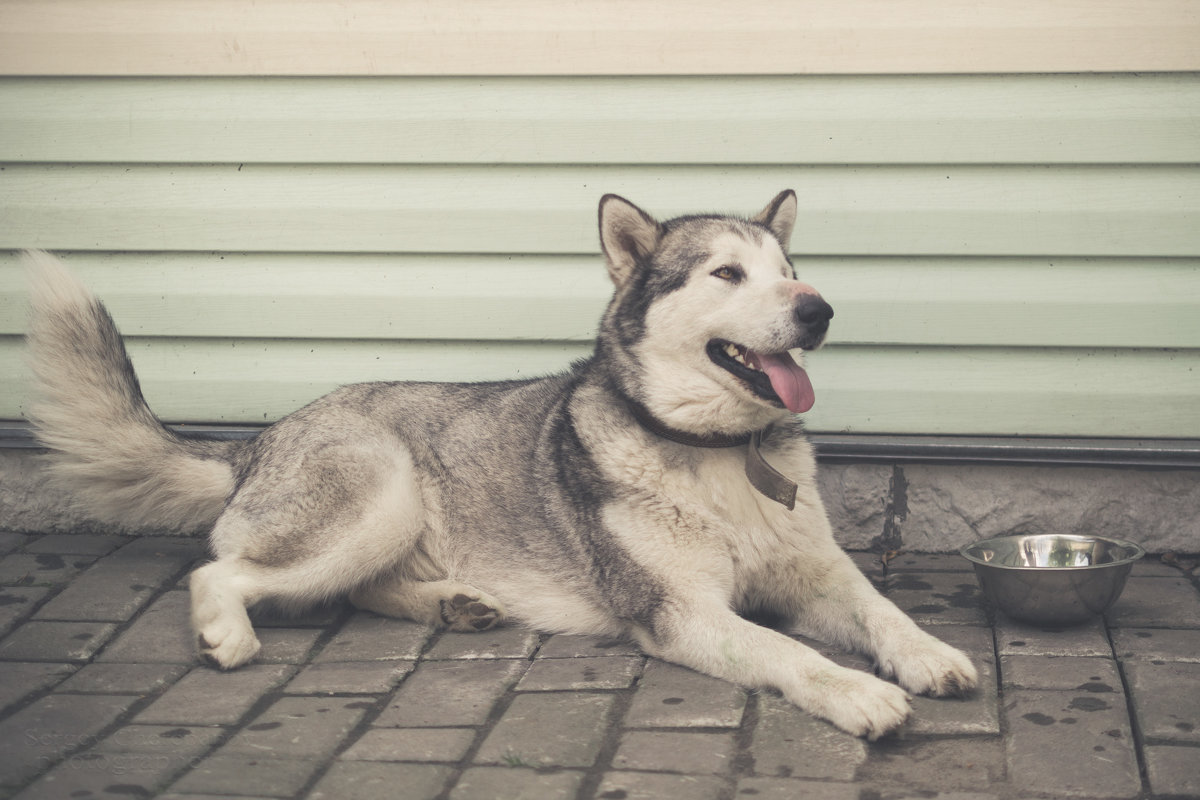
<point x="1008" y="254"/>
<point x="957" y="119"/>
<point x="593" y="37"/>
<point x="986" y="302"/>
<point x="859" y="210"/>
<point x="987" y="391"/>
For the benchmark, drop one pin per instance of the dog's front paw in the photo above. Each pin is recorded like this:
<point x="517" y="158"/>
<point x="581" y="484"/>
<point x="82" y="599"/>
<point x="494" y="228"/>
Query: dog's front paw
<point x="925" y="665"/>
<point x="859" y="703"/>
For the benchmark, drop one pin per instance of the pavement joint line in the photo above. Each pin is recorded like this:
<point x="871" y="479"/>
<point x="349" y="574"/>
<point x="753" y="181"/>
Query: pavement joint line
<point x="1134" y="727"/>
<point x="1001" y="715"/>
<point x="352" y="736"/>
<point x="482" y="731"/>
<point x="592" y="776"/>
<point x="744" y="736"/>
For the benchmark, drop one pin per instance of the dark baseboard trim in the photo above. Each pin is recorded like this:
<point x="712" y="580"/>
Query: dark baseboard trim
<point x="1114" y="453"/>
<point x="867" y="448"/>
<point x="18" y="435"/>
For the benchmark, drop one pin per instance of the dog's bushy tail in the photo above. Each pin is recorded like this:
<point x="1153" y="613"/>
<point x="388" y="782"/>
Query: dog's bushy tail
<point x="107" y="448"/>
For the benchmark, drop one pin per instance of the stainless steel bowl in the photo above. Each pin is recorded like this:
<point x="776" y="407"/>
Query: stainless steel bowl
<point x="1052" y="580"/>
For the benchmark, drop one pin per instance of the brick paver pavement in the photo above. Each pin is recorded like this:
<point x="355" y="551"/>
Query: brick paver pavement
<point x="101" y="696"/>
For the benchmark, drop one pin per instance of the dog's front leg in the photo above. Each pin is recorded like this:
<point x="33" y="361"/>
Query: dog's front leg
<point x="707" y="636"/>
<point x="842" y="607"/>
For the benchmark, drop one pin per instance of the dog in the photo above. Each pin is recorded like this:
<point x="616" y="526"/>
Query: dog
<point x="659" y="489"/>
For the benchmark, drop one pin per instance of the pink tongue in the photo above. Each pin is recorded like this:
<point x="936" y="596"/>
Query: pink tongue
<point x="788" y="379"/>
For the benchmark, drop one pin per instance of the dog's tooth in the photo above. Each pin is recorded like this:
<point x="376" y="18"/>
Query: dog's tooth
<point x="732" y="351"/>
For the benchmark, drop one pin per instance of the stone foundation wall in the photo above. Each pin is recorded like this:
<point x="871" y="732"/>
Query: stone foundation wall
<point x="916" y="507"/>
<point x="939" y="508"/>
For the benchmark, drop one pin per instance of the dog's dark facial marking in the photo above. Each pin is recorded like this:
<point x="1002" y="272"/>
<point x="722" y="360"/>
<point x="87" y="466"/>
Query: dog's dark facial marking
<point x="648" y="284"/>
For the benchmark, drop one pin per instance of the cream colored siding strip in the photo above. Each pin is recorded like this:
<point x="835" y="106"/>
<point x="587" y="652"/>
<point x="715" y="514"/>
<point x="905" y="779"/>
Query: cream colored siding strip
<point x="614" y="37"/>
<point x="1028" y="119"/>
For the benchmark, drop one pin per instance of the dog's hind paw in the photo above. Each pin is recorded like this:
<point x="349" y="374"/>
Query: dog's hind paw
<point x="462" y="612"/>
<point x="226" y="649"/>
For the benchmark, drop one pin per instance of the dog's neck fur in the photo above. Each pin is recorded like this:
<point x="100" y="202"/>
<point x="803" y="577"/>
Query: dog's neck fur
<point x="660" y="428"/>
<point x="762" y="476"/>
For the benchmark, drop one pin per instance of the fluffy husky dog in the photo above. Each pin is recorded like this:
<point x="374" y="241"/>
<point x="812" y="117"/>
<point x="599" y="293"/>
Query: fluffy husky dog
<point x="625" y="497"/>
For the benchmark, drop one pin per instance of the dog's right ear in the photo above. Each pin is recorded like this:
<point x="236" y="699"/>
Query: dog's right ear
<point x="780" y="217"/>
<point x="628" y="236"/>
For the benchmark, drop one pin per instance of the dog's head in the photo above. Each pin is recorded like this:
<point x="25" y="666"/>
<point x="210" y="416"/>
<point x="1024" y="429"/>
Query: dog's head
<point x="708" y="321"/>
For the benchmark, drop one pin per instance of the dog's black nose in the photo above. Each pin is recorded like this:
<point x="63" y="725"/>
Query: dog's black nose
<point x="813" y="312"/>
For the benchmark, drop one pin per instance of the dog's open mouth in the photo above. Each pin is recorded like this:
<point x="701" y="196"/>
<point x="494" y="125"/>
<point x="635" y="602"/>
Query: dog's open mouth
<point x="775" y="377"/>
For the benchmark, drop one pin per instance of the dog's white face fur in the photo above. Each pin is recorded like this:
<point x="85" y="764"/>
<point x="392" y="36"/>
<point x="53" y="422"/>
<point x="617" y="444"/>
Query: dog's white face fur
<point x="753" y="309"/>
<point x="732" y="295"/>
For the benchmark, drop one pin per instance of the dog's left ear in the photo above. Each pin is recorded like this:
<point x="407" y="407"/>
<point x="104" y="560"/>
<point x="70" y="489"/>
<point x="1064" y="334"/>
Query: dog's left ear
<point x="628" y="236"/>
<point x="780" y="217"/>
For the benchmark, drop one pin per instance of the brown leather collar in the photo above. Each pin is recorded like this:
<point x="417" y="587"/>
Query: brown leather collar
<point x="765" y="478"/>
<point x="659" y="428"/>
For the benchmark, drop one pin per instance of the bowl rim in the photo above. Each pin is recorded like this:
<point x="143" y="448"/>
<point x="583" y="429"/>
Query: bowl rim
<point x="1137" y="551"/>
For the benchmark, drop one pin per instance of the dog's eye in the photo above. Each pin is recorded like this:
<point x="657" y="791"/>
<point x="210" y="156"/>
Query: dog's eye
<point x="729" y="272"/>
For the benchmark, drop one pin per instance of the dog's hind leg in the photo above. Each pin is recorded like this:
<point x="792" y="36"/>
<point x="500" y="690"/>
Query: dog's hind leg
<point x="444" y="603"/>
<point x="312" y="529"/>
<point x="221" y="591"/>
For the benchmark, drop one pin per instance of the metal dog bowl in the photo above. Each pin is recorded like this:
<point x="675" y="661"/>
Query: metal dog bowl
<point x="1052" y="580"/>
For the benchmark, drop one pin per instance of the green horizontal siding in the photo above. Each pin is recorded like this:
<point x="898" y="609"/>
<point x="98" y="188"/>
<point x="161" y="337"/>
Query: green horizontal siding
<point x="996" y="391"/>
<point x="883" y="210"/>
<point x="744" y="120"/>
<point x="1006" y="254"/>
<point x="1114" y="302"/>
